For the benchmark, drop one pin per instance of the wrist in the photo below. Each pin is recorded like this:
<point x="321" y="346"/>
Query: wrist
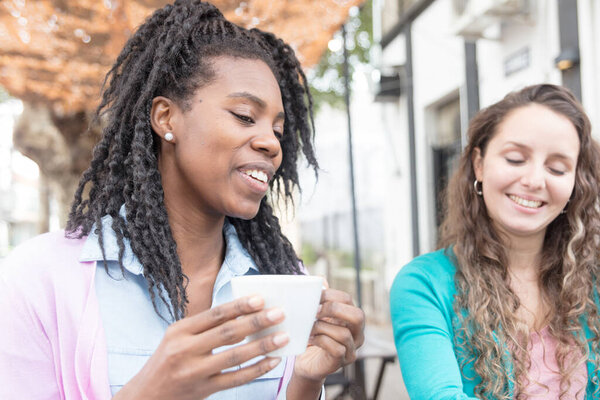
<point x="301" y="387"/>
<point x="126" y="393"/>
<point x="132" y="390"/>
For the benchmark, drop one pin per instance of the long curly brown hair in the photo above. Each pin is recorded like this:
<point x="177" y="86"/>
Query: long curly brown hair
<point x="489" y="332"/>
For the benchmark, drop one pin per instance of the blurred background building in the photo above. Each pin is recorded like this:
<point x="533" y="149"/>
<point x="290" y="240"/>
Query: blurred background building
<point x="433" y="64"/>
<point x="449" y="58"/>
<point x="19" y="185"/>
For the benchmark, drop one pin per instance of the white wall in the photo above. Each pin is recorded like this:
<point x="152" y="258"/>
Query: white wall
<point x="540" y="35"/>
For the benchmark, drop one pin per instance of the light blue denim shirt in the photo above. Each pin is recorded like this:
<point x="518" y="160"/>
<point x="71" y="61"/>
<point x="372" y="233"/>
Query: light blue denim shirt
<point x="133" y="329"/>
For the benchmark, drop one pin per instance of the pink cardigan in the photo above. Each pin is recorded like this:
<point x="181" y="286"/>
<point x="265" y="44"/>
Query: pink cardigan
<point x="52" y="343"/>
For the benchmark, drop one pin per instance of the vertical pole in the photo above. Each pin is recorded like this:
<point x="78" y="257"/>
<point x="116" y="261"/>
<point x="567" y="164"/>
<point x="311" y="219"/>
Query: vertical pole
<point x="412" y="141"/>
<point x="471" y="78"/>
<point x="359" y="374"/>
<point x="351" y="162"/>
<point x="568" y="26"/>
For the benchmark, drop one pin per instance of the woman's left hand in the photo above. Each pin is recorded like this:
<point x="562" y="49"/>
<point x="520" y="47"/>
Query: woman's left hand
<point x="335" y="337"/>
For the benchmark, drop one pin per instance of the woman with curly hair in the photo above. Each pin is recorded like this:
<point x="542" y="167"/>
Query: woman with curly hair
<point x="508" y="308"/>
<point x="202" y="118"/>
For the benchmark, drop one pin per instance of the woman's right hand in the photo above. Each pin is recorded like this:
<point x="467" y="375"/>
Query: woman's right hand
<point x="184" y="367"/>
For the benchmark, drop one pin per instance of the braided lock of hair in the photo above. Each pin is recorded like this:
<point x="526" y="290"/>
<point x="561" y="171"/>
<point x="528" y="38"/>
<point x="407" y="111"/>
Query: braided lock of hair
<point x="169" y="55"/>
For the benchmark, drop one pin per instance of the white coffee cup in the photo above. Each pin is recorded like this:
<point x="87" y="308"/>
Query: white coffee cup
<point x="297" y="295"/>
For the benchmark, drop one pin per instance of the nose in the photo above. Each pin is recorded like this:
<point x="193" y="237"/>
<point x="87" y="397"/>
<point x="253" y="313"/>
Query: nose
<point x="266" y="143"/>
<point x="534" y="177"/>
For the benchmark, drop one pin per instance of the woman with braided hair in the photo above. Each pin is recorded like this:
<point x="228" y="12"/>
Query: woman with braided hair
<point x="508" y="308"/>
<point x="202" y="118"/>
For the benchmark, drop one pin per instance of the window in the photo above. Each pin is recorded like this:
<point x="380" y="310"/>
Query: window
<point x="446" y="148"/>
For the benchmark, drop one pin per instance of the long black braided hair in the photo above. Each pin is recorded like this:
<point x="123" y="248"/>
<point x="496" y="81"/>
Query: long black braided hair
<point x="169" y="55"/>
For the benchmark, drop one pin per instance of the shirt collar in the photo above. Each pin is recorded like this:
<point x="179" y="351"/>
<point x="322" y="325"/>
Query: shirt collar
<point x="92" y="251"/>
<point x="236" y="259"/>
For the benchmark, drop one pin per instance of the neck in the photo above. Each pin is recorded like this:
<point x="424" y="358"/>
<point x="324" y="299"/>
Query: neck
<point x="525" y="257"/>
<point x="197" y="233"/>
<point x="199" y="238"/>
<point x="524" y="262"/>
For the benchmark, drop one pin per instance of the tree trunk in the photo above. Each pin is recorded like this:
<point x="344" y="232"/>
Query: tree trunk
<point x="44" y="215"/>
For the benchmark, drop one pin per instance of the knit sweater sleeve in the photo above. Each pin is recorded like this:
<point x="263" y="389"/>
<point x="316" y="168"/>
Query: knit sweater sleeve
<point x="421" y="308"/>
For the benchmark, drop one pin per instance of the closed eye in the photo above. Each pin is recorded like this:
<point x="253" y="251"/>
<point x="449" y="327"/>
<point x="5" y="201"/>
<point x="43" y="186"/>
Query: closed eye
<point x="556" y="171"/>
<point x="243" y="118"/>
<point x="513" y="161"/>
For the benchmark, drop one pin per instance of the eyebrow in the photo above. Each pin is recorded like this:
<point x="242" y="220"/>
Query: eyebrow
<point x="556" y="155"/>
<point x="254" y="99"/>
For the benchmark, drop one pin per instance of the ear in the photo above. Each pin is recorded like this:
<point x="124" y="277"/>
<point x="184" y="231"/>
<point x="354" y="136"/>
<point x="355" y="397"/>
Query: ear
<point x="477" y="162"/>
<point x="161" y="114"/>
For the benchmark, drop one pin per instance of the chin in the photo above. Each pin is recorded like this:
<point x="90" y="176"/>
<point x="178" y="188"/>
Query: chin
<point x="246" y="213"/>
<point x="525" y="231"/>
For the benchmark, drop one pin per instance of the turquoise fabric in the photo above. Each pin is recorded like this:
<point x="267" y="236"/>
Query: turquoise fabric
<point x="421" y="305"/>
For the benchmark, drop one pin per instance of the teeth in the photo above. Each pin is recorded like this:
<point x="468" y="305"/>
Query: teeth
<point x="258" y="175"/>
<point x="525" y="203"/>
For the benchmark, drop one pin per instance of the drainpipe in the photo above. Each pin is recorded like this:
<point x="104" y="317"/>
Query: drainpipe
<point x="471" y="79"/>
<point x="409" y="89"/>
<point x="568" y="59"/>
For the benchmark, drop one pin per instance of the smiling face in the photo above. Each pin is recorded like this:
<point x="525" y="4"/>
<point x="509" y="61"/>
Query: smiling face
<point x="226" y="143"/>
<point x="527" y="170"/>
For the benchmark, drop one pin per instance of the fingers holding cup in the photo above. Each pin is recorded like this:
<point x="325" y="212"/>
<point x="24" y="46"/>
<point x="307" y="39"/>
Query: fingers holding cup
<point x="337" y="308"/>
<point x="336" y="340"/>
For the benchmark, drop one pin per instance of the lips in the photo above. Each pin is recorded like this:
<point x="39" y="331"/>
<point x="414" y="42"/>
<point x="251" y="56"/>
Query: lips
<point x="257" y="175"/>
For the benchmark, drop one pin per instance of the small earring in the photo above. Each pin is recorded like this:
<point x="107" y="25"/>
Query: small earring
<point x="564" y="210"/>
<point x="477" y="190"/>
<point x="168" y="136"/>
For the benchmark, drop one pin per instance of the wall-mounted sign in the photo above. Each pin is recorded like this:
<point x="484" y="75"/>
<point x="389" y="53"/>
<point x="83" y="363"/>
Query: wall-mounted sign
<point x="517" y="61"/>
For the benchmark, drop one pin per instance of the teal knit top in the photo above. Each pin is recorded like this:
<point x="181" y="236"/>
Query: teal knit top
<point x="421" y="304"/>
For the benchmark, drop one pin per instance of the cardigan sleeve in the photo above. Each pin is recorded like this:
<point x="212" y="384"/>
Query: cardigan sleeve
<point x="421" y="307"/>
<point x="26" y="363"/>
<point x="52" y="343"/>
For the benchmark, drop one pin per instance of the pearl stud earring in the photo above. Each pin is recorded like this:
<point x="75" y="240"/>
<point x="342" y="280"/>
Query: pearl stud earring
<point x="168" y="136"/>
